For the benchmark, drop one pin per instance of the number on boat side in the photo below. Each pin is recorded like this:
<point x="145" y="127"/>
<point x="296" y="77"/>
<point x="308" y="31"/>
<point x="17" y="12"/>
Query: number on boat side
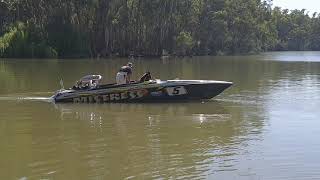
<point x="176" y="91"/>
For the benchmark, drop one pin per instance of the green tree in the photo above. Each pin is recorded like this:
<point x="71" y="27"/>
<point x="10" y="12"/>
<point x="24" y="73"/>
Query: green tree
<point x="184" y="43"/>
<point x="102" y="28"/>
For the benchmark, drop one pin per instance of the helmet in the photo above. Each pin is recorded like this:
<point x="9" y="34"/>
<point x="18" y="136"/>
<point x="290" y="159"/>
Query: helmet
<point x="130" y="64"/>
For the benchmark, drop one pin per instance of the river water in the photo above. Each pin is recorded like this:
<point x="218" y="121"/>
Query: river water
<point x="266" y="126"/>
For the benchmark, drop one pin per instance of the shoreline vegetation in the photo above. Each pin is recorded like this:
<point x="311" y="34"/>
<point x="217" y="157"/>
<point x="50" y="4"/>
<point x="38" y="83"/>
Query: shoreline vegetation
<point x="108" y="28"/>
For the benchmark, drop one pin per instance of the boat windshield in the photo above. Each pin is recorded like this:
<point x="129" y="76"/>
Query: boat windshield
<point x="145" y="77"/>
<point x="88" y="81"/>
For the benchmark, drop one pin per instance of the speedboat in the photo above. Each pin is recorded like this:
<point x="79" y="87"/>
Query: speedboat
<point x="88" y="90"/>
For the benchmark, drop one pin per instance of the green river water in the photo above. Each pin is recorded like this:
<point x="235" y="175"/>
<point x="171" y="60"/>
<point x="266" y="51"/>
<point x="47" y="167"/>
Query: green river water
<point x="266" y="126"/>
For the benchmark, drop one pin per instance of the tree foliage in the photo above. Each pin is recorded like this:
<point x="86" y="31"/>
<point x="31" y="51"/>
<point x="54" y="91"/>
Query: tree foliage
<point x="101" y="28"/>
<point x="19" y="42"/>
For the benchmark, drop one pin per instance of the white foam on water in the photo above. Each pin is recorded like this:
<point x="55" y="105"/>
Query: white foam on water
<point x="26" y="97"/>
<point x="245" y="99"/>
<point x="46" y="99"/>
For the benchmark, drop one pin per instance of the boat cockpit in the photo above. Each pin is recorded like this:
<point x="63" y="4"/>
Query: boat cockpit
<point x="93" y="82"/>
<point x="88" y="82"/>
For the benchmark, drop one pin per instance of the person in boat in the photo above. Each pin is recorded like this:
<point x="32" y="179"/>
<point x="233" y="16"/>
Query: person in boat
<point x="124" y="74"/>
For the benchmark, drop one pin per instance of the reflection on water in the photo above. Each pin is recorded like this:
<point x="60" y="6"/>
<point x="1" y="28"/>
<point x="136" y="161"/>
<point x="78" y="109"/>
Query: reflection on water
<point x="162" y="141"/>
<point x="264" y="127"/>
<point x="180" y="140"/>
<point x="298" y="56"/>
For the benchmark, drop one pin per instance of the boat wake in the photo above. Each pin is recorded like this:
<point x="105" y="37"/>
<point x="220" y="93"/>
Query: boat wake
<point x="27" y="97"/>
<point x="243" y="99"/>
<point x="11" y="98"/>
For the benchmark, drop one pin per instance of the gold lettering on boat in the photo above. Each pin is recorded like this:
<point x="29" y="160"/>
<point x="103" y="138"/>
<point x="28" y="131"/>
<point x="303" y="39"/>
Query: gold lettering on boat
<point x="124" y="95"/>
<point x="76" y="100"/>
<point x="106" y="98"/>
<point x="121" y="96"/>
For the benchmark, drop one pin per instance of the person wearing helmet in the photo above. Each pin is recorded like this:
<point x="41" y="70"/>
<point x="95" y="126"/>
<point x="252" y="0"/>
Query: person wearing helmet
<point x="124" y="74"/>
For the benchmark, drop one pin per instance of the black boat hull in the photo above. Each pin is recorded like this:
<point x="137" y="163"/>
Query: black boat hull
<point x="153" y="91"/>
